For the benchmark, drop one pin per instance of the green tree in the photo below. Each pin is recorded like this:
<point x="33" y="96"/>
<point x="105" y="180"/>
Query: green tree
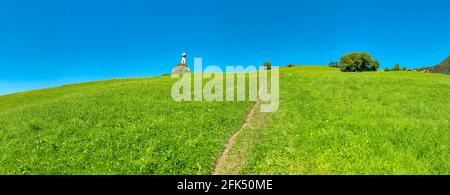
<point x="375" y="65"/>
<point x="396" y="67"/>
<point x="404" y="69"/>
<point x="334" y="64"/>
<point x="267" y="65"/>
<point x="358" y="62"/>
<point x="387" y="69"/>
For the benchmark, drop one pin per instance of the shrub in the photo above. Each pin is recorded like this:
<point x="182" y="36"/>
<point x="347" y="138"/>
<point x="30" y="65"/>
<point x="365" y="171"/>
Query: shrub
<point x="358" y="62"/>
<point x="291" y="65"/>
<point x="396" y="67"/>
<point x="387" y="69"/>
<point x="334" y="64"/>
<point x="404" y="69"/>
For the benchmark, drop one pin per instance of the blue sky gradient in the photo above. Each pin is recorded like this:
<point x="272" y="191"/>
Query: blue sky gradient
<point x="48" y="43"/>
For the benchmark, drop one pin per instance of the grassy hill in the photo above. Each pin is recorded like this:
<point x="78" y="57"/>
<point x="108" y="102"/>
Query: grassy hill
<point x="127" y="126"/>
<point x="329" y="122"/>
<point x="443" y="67"/>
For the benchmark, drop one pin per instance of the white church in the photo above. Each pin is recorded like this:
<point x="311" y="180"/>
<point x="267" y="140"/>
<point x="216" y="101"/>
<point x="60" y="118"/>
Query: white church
<point x="182" y="67"/>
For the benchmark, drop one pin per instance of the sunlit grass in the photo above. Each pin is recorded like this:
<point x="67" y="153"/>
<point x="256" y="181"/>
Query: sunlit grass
<point x="331" y="122"/>
<point x="127" y="126"/>
<point x="328" y="122"/>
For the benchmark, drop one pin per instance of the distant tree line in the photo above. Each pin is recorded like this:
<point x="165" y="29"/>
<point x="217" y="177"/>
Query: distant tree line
<point x="396" y="68"/>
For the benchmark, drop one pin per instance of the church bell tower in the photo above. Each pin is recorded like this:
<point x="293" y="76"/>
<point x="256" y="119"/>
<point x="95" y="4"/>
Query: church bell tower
<point x="183" y="58"/>
<point x="182" y="67"/>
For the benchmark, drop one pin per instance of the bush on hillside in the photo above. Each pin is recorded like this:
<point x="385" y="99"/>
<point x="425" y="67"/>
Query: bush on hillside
<point x="358" y="62"/>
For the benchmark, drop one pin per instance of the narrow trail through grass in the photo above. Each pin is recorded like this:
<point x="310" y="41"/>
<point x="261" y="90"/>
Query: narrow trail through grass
<point x="221" y="161"/>
<point x="347" y="123"/>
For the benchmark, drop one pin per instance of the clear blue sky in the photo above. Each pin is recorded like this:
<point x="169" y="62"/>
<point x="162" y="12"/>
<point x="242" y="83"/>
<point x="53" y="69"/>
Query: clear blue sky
<point x="47" y="43"/>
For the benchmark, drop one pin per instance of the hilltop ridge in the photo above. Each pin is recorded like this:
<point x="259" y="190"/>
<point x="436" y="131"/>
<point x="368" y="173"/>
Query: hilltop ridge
<point x="443" y="67"/>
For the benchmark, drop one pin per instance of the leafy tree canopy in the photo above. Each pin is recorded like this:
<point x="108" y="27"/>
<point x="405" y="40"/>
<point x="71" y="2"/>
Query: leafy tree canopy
<point x="358" y="62"/>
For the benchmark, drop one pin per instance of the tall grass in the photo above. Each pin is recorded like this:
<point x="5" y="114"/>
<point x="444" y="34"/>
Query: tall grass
<point x="128" y="126"/>
<point x="354" y="123"/>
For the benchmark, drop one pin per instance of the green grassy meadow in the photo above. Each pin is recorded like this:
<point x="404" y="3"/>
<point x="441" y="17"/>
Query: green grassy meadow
<point x="126" y="126"/>
<point x="328" y="122"/>
<point x="331" y="122"/>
